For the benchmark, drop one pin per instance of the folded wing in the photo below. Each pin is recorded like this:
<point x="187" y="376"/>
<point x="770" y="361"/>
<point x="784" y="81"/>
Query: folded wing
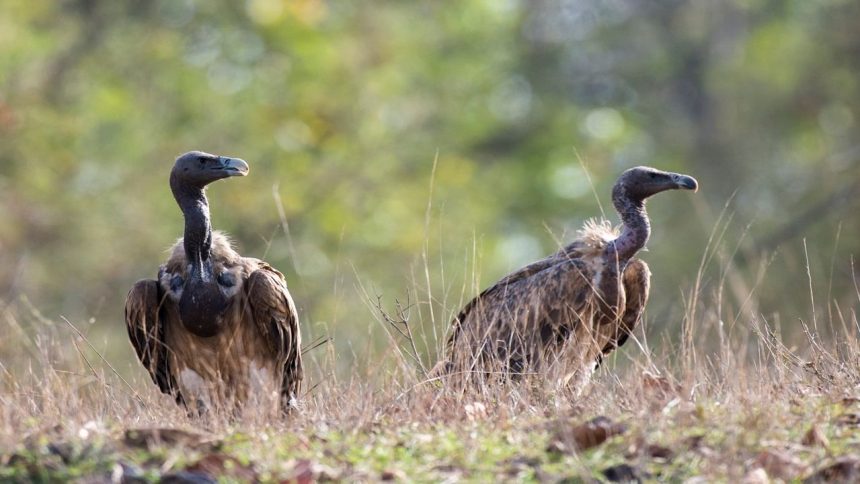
<point x="275" y="316"/>
<point x="146" y="332"/>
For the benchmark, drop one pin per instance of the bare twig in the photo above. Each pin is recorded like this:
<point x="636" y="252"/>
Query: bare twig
<point x="401" y="325"/>
<point x="320" y="341"/>
<point x="106" y="362"/>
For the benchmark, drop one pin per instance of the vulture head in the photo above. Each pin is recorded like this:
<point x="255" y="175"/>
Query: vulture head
<point x="628" y="197"/>
<point x="203" y="291"/>
<point x="197" y="169"/>
<point x="641" y="182"/>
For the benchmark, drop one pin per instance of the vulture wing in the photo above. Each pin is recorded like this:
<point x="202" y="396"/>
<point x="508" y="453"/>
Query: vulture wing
<point x="146" y="332"/>
<point x="542" y="301"/>
<point x="518" y="275"/>
<point x="568" y="253"/>
<point x="276" y="318"/>
<point x="636" y="281"/>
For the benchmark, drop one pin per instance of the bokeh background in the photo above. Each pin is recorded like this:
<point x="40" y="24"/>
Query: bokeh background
<point x="342" y="109"/>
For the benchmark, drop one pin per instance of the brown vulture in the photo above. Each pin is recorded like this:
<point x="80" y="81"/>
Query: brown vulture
<point x="569" y="310"/>
<point x="215" y="328"/>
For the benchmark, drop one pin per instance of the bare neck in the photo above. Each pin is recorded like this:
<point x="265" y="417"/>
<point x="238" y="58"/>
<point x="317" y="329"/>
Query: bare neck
<point x="634" y="235"/>
<point x="198" y="229"/>
<point x="636" y="228"/>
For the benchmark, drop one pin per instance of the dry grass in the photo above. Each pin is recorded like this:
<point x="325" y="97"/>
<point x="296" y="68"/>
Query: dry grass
<point x="734" y="397"/>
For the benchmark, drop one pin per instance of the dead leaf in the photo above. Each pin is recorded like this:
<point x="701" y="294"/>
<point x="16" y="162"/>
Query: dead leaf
<point x="780" y="464"/>
<point x="448" y="469"/>
<point x="185" y="477"/>
<point x="156" y="437"/>
<point x="622" y="473"/>
<point x="843" y="470"/>
<point x="693" y="442"/>
<point x="657" y="383"/>
<point x="302" y="473"/>
<point x="307" y="472"/>
<point x="848" y="420"/>
<point x="815" y="437"/>
<point x="475" y="411"/>
<point x="696" y="443"/>
<point x="585" y="436"/>
<point x="640" y="447"/>
<point x="222" y="465"/>
<point x="659" y="452"/>
<point x="392" y="475"/>
<point x="13" y="460"/>
<point x="517" y="465"/>
<point x="36" y="438"/>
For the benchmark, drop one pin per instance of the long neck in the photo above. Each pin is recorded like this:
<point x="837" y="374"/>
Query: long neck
<point x="636" y="228"/>
<point x="198" y="230"/>
<point x="633" y="237"/>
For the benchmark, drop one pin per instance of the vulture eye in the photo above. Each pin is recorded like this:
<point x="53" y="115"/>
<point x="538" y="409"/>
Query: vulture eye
<point x="226" y="279"/>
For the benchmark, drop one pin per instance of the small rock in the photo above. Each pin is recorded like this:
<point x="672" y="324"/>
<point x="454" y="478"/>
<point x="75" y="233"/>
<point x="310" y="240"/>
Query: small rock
<point x="756" y="476"/>
<point x="64" y="450"/>
<point x="780" y="464"/>
<point x="124" y="473"/>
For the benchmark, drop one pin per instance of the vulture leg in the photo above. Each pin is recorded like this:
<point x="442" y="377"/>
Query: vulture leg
<point x="146" y="332"/>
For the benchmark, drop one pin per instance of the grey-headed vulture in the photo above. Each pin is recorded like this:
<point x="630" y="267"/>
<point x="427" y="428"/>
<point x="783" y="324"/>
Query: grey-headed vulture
<point x="215" y="328"/>
<point x="569" y="310"/>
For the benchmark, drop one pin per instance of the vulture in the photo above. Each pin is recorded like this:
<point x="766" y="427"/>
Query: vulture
<point x="569" y="310"/>
<point x="215" y="328"/>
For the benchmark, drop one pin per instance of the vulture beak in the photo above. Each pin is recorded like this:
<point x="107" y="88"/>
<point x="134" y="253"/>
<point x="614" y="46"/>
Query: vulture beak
<point x="232" y="166"/>
<point x="685" y="182"/>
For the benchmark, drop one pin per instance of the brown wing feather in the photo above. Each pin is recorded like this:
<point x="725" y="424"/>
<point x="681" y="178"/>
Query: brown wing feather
<point x="146" y="332"/>
<point x="511" y="278"/>
<point x="569" y="252"/>
<point x="536" y="307"/>
<point x="277" y="320"/>
<point x="637" y="282"/>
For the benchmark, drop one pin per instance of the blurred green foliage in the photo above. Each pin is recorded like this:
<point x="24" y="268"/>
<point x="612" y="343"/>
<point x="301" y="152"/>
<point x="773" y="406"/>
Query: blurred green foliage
<point x="341" y="109"/>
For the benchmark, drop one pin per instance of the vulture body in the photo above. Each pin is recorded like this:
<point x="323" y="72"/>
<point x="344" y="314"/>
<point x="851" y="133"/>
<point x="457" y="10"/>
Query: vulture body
<point x="215" y="329"/>
<point x="564" y="313"/>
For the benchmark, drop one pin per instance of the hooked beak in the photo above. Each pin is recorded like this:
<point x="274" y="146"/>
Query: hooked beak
<point x="232" y="166"/>
<point x="685" y="182"/>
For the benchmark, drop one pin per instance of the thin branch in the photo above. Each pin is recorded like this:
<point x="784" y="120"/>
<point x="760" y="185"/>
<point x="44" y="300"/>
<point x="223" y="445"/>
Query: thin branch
<point x="84" y="338"/>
